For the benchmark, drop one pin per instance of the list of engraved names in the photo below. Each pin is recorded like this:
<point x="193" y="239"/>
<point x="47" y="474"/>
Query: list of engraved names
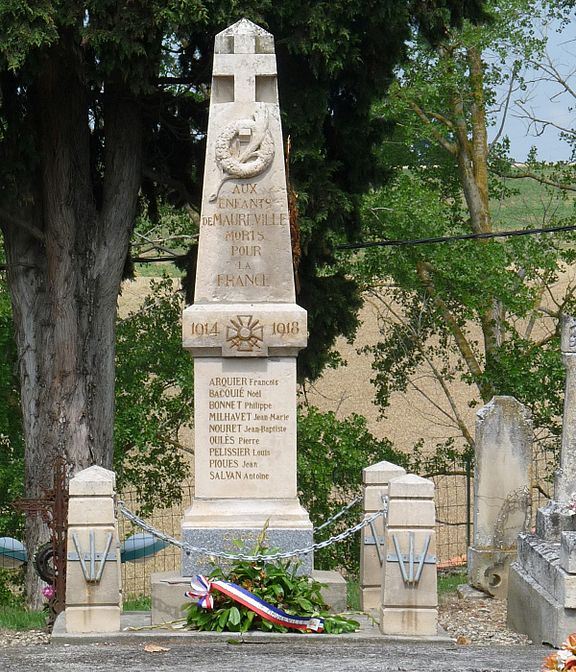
<point x="245" y="415"/>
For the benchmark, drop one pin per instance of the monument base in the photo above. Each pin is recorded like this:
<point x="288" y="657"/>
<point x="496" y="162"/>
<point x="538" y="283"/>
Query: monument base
<point x="488" y="570"/>
<point x="541" y="594"/>
<point x="169" y="603"/>
<point x="234" y="525"/>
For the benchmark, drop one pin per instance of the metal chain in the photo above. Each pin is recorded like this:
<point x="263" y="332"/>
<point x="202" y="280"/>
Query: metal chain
<point x="188" y="548"/>
<point x="337" y="515"/>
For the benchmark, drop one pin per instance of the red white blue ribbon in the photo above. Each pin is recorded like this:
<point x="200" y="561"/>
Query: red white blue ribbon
<point x="201" y="589"/>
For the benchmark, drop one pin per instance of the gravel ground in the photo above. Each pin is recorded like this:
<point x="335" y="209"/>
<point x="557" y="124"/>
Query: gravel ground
<point x="22" y="638"/>
<point x="478" y="622"/>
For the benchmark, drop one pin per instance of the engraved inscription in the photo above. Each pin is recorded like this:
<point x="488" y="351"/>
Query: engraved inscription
<point x="243" y="427"/>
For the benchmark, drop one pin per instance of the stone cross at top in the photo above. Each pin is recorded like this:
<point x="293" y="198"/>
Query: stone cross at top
<point x="248" y="81"/>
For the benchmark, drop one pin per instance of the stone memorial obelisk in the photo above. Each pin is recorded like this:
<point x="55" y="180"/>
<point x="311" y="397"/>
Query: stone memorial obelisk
<point x="244" y="329"/>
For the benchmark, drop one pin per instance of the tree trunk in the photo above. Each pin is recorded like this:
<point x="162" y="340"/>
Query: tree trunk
<point x="64" y="270"/>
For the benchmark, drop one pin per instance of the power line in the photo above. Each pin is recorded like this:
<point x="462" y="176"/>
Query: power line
<point x="449" y="239"/>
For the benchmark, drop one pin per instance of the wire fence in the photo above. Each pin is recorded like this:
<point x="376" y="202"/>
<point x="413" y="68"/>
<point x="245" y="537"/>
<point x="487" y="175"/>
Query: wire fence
<point x="454" y="512"/>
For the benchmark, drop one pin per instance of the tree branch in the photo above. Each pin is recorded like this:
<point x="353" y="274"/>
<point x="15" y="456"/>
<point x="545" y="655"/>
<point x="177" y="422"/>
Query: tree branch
<point x="34" y="231"/>
<point x="448" y="146"/>
<point x="534" y="176"/>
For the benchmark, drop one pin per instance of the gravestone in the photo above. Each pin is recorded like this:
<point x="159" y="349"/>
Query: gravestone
<point x="502" y="491"/>
<point x="542" y="582"/>
<point x="244" y="329"/>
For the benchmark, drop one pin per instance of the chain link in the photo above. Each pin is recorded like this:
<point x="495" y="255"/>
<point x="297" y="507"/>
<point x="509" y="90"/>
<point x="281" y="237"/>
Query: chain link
<point x="338" y="515"/>
<point x="188" y="548"/>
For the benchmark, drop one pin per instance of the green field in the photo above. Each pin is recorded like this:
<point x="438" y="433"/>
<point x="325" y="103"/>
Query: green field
<point x="534" y="205"/>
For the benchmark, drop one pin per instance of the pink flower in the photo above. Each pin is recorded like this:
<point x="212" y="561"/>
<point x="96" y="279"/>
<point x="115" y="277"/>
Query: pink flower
<point x="48" y="592"/>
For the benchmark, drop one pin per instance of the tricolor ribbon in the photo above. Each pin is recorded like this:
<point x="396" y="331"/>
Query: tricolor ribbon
<point x="201" y="589"/>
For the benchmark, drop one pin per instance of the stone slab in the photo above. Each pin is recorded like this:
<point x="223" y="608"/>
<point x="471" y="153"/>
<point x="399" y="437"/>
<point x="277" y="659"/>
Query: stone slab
<point x="137" y="629"/>
<point x="408" y="622"/>
<point x="534" y="612"/>
<point x="244" y="330"/>
<point x="541" y="560"/>
<point x="224" y="540"/>
<point x="467" y="592"/>
<point x="502" y="473"/>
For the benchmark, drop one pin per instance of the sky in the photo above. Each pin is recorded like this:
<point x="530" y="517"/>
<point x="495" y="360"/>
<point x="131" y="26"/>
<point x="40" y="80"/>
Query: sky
<point x="545" y="103"/>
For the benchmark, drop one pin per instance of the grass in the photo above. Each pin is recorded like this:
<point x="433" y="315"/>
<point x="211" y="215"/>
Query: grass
<point x="137" y="603"/>
<point x="448" y="582"/>
<point x="18" y="618"/>
<point x="534" y="205"/>
<point x="157" y="269"/>
<point x="353" y="595"/>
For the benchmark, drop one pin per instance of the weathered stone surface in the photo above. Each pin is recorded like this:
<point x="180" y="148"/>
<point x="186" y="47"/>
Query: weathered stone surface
<point x="536" y="613"/>
<point x="565" y="484"/>
<point x="568" y="552"/>
<point x="541" y="560"/>
<point x="502" y="486"/>
<point x="409" y="589"/>
<point x="488" y="570"/>
<point x="502" y="473"/>
<point x="93" y="592"/>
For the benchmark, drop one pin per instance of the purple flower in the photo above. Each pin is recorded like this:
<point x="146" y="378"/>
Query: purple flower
<point x="48" y="592"/>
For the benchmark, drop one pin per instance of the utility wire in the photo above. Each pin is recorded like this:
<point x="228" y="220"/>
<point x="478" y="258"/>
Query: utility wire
<point x="449" y="239"/>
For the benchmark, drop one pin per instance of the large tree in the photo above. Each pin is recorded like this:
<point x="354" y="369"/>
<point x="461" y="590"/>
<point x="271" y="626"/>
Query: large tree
<point x="102" y="101"/>
<point x="479" y="312"/>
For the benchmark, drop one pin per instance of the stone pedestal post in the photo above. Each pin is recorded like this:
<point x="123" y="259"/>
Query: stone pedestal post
<point x="409" y="603"/>
<point x="502" y="491"/>
<point x="93" y="578"/>
<point x="375" y="481"/>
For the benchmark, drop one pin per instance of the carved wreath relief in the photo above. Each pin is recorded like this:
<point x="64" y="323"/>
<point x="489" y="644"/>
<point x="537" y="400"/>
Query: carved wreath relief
<point x="236" y="162"/>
